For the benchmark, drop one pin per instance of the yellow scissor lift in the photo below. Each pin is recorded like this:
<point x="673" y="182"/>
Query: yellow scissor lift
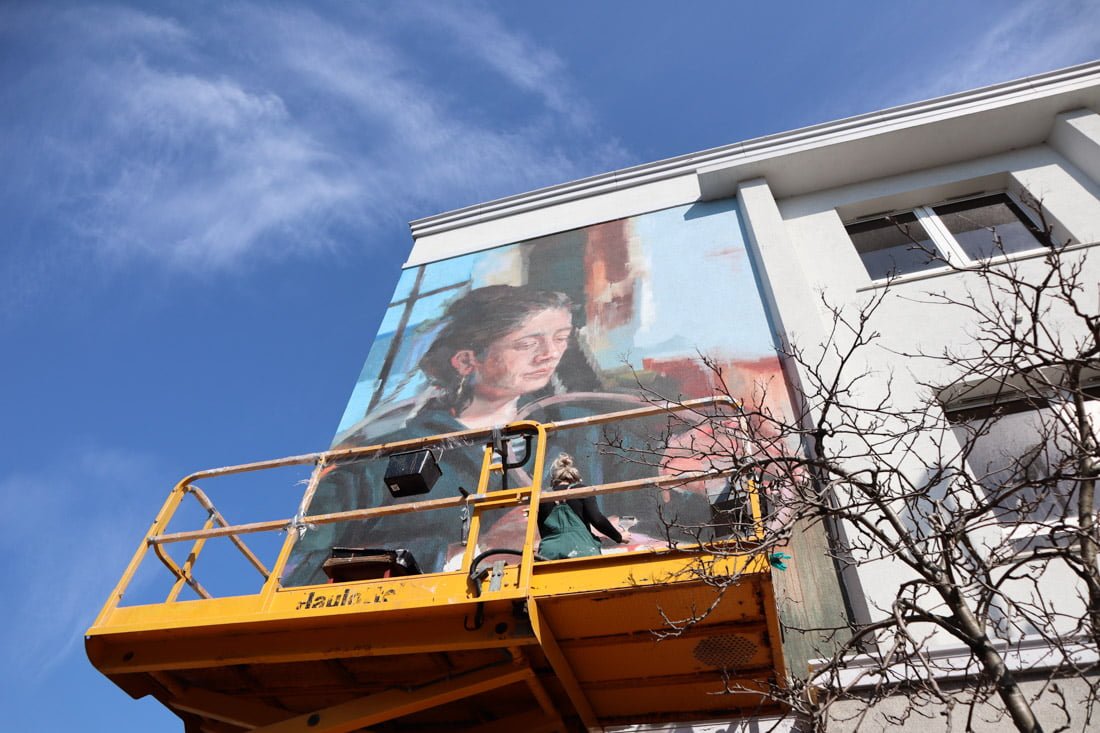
<point x="539" y="645"/>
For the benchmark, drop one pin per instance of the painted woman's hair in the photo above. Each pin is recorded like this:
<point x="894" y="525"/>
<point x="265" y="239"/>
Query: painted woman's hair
<point x="474" y="321"/>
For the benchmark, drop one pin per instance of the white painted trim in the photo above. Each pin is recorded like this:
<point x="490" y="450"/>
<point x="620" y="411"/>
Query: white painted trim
<point x="968" y="267"/>
<point x="1031" y="654"/>
<point x="759" y="724"/>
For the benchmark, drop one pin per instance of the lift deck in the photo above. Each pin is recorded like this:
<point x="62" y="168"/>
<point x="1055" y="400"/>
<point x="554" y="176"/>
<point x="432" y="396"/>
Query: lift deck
<point x="531" y="645"/>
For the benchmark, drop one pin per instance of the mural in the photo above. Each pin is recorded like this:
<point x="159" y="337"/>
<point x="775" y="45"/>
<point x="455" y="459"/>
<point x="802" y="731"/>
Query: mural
<point x="575" y="324"/>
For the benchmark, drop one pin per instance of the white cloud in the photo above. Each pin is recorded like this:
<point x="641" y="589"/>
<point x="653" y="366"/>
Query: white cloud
<point x="173" y="104"/>
<point x="115" y="23"/>
<point x="512" y="55"/>
<point x="222" y="168"/>
<point x="201" y="142"/>
<point x="427" y="145"/>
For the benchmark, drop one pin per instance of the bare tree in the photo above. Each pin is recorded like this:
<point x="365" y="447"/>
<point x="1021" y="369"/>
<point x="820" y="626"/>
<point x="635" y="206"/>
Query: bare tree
<point x="978" y="493"/>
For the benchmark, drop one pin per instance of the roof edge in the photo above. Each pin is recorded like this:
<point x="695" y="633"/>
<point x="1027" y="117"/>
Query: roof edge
<point x="773" y="145"/>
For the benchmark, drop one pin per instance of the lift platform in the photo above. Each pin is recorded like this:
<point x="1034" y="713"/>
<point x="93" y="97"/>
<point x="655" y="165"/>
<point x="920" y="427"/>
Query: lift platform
<point x="504" y="643"/>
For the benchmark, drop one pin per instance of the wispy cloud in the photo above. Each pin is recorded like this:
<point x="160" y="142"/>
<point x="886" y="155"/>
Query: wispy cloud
<point x="1033" y="37"/>
<point x="517" y="58"/>
<point x="1028" y="38"/>
<point x="228" y="168"/>
<point x="203" y="140"/>
<point x="429" y="143"/>
<point x="75" y="532"/>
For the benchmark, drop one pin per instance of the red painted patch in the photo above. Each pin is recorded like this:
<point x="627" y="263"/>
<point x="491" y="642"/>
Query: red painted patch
<point x="610" y="282"/>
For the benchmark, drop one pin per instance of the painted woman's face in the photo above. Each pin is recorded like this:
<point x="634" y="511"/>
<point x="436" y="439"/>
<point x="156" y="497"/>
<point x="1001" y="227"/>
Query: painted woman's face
<point x="524" y="359"/>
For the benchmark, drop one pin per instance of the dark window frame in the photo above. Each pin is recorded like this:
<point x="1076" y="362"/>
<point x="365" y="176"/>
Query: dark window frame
<point x="947" y="247"/>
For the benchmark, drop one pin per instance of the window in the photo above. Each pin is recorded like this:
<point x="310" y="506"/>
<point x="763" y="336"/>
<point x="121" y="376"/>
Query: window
<point x="988" y="226"/>
<point x="1024" y="454"/>
<point x="959" y="232"/>
<point x="894" y="245"/>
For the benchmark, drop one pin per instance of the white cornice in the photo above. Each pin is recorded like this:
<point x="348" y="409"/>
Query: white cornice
<point x="803" y="159"/>
<point x="1029" y="654"/>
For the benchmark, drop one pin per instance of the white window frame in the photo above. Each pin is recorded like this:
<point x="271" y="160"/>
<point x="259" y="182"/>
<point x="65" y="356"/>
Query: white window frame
<point x="942" y="238"/>
<point x="1020" y="528"/>
<point x="937" y="231"/>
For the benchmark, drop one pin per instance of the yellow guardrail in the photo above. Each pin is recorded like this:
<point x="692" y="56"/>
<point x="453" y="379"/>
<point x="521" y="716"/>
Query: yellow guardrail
<point x="484" y="499"/>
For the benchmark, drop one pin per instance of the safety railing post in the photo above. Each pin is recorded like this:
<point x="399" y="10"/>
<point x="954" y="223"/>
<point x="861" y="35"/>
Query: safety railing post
<point x="757" y="509"/>
<point x="274" y="579"/>
<point x="160" y="522"/>
<point x="220" y="520"/>
<point x="487" y="467"/>
<point x="187" y="568"/>
<point x="178" y="572"/>
<point x="537" y="471"/>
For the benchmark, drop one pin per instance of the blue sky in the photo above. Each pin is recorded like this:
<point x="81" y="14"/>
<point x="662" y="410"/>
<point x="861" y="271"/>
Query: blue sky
<point x="204" y="212"/>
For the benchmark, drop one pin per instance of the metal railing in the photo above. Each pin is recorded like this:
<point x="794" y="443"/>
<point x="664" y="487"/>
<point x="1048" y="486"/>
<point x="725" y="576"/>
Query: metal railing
<point x="477" y="503"/>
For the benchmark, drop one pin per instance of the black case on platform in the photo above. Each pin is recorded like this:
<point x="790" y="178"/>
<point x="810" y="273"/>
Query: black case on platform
<point x="412" y="473"/>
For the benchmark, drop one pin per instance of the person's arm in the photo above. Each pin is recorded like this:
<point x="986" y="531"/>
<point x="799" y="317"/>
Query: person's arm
<point x="592" y="516"/>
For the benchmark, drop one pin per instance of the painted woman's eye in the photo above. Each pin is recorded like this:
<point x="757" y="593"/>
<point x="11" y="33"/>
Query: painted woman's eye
<point x="525" y="344"/>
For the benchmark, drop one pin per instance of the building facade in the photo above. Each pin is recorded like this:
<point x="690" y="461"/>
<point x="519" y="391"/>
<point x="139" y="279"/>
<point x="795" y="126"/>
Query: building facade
<point x="755" y="251"/>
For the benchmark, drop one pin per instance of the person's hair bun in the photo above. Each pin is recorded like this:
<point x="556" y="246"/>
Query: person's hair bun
<point x="562" y="470"/>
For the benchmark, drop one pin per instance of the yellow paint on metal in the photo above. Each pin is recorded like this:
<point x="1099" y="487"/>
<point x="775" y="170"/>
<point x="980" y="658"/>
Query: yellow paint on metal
<point x="272" y="584"/>
<point x="184" y="573"/>
<point x="235" y="710"/>
<point x="590" y="618"/>
<point x="275" y="642"/>
<point x="159" y="523"/>
<point x="561" y="667"/>
<point x="487" y="468"/>
<point x="528" y="560"/>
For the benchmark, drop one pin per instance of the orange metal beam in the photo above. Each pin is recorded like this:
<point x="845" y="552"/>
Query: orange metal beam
<point x="468" y="437"/>
<point x="654" y="408"/>
<point x="379" y="708"/>
<point x="159" y="523"/>
<point x="482" y="492"/>
<point x="561" y="667"/>
<point x="550" y="712"/>
<point x="234" y="710"/>
<point x="181" y="574"/>
<point x="274" y="579"/>
<point x="529" y="537"/>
